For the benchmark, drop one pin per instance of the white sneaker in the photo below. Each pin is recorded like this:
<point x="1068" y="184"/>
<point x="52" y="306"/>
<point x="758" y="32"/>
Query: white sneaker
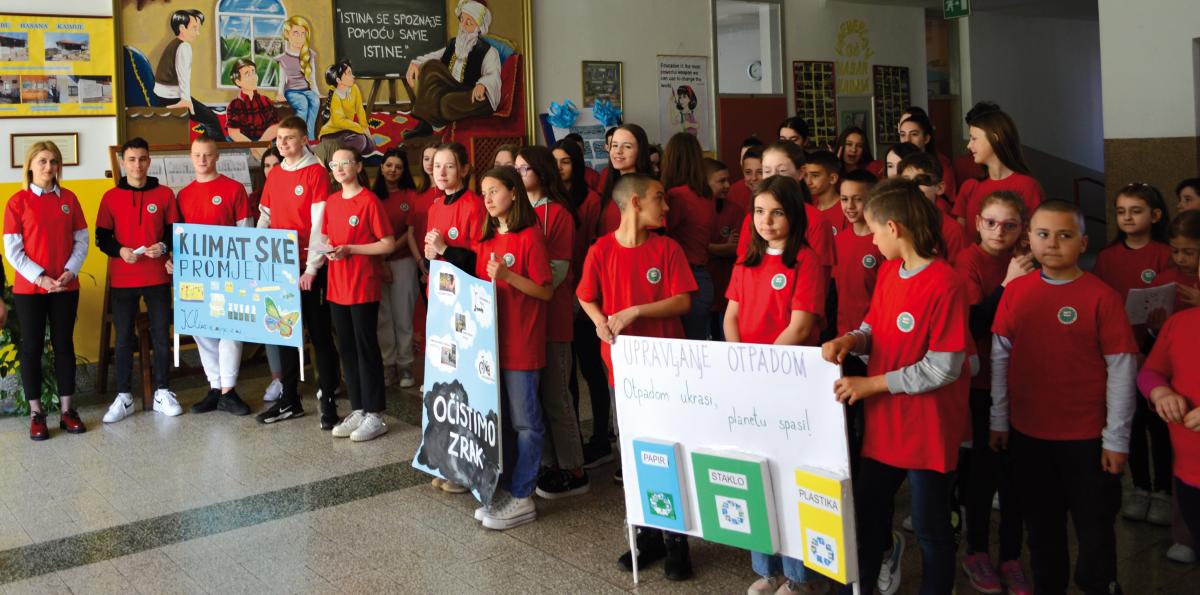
<point x="889" y="572"/>
<point x="1181" y="553"/>
<point x="274" y="391"/>
<point x="121" y="407"/>
<point x="766" y="585"/>
<point x="1159" y="511"/>
<point x="348" y="425"/>
<point x="165" y="403"/>
<point x="498" y="500"/>
<point x="906" y="524"/>
<point x="1137" y="505"/>
<point x="406" y="379"/>
<point x="371" y="427"/>
<point x="513" y="513"/>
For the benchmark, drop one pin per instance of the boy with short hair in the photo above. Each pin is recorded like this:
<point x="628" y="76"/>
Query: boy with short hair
<point x="926" y="171"/>
<point x="251" y="115"/>
<point x="638" y="283"/>
<point x="293" y="198"/>
<point x="214" y="199"/>
<point x="858" y="256"/>
<point x="741" y="192"/>
<point x="822" y="173"/>
<point x="133" y="227"/>
<point x="1063" y="371"/>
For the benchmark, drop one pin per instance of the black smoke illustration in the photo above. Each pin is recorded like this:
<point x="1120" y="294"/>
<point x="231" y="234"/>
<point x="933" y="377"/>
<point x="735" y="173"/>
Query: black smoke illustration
<point x="435" y="443"/>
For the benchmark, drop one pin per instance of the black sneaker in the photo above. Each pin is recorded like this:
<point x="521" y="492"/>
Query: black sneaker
<point x="650" y="549"/>
<point x="282" y="410"/>
<point x="560" y="483"/>
<point x="678" y="566"/>
<point x="596" y="454"/>
<point x="209" y="402"/>
<point x="329" y="414"/>
<point x="233" y="403"/>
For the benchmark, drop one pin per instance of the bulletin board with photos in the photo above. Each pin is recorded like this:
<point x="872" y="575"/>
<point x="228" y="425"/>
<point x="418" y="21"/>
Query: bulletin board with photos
<point x="56" y="66"/>
<point x="892" y="95"/>
<point x="815" y="91"/>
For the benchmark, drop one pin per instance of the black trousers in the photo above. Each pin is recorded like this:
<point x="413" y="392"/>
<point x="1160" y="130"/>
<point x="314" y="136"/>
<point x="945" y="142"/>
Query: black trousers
<point x="1055" y="478"/>
<point x="316" y="320"/>
<point x="124" y="303"/>
<point x="1189" y="505"/>
<point x="33" y="310"/>
<point x="587" y="359"/>
<point x="362" y="361"/>
<point x="1150" y="450"/>
<point x="990" y="472"/>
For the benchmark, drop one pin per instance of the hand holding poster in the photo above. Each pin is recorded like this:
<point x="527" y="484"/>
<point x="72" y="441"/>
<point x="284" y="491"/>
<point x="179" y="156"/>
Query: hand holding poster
<point x="237" y="283"/>
<point x="460" y="420"/>
<point x="739" y="444"/>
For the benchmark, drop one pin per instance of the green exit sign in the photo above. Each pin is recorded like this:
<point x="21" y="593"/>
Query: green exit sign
<point x="953" y="9"/>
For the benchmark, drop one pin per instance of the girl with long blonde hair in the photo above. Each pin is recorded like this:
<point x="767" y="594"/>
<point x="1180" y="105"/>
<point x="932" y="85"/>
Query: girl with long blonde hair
<point x="298" y="72"/>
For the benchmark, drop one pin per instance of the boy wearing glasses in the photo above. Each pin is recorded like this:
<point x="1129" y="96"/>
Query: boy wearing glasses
<point x="925" y="170"/>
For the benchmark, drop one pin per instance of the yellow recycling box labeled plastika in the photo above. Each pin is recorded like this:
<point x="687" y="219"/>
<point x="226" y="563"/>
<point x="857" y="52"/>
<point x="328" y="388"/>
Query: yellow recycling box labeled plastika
<point x="823" y="501"/>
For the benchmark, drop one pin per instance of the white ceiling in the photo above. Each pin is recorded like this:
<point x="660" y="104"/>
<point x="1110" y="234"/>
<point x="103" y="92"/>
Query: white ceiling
<point x="1061" y="9"/>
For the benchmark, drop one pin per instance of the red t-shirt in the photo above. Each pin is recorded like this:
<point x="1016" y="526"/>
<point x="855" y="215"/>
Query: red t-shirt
<point x="359" y="219"/>
<point x="954" y="236"/>
<point x="591" y="178"/>
<point x="221" y="201"/>
<point x="461" y="222"/>
<point x="1060" y="334"/>
<point x="1174" y="275"/>
<point x="818" y="235"/>
<point x="833" y="217"/>
<point x="767" y="294"/>
<point x="1174" y="356"/>
<point x="690" y="221"/>
<point x="854" y="275"/>
<point x="740" y="195"/>
<point x="290" y="195"/>
<point x="909" y="318"/>
<point x="983" y="274"/>
<point x="47" y="226"/>
<point x="617" y="277"/>
<point x="558" y="229"/>
<point x="522" y="319"/>
<point x="720" y="268"/>
<point x="420" y="213"/>
<point x="399" y="207"/>
<point x="138" y="218"/>
<point x="965" y="169"/>
<point x="1124" y="268"/>
<point x="949" y="177"/>
<point x="596" y="223"/>
<point x="969" y="202"/>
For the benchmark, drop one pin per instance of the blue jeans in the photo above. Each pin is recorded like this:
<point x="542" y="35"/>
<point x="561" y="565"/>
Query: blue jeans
<point x="307" y="105"/>
<point x="766" y="565"/>
<point x="524" y="431"/>
<point x="695" y="322"/>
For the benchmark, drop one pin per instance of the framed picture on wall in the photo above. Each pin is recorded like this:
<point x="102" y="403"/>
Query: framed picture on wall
<point x="684" y="101"/>
<point x="891" y="98"/>
<point x="67" y="142"/>
<point x="56" y="66"/>
<point x="602" y="80"/>
<point x="814" y="92"/>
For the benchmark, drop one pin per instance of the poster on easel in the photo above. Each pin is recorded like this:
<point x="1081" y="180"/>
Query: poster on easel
<point x="685" y="104"/>
<point x="56" y="66"/>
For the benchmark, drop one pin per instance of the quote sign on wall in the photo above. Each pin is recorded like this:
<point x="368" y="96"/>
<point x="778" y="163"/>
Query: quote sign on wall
<point x="380" y="37"/>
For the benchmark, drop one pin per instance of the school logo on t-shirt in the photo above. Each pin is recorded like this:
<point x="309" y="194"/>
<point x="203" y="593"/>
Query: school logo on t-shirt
<point x="353" y="220"/>
<point x="216" y="200"/>
<point x="299" y="190"/>
<point x="654" y="275"/>
<point x="509" y="259"/>
<point x="1067" y="315"/>
<point x="152" y="208"/>
<point x="869" y="261"/>
<point x="779" y="281"/>
<point x="905" y="322"/>
<point x="453" y="233"/>
<point x="1148" y="276"/>
<point x="66" y="209"/>
<point x="725" y="231"/>
<point x="404" y="207"/>
<point x="834" y="228"/>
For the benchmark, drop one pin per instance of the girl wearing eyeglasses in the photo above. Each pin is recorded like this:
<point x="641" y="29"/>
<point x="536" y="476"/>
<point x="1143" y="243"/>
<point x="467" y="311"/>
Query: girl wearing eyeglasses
<point x="987" y="267"/>
<point x="996" y="146"/>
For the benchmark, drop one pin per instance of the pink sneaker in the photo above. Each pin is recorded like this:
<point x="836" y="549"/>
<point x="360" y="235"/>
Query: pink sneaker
<point x="982" y="574"/>
<point x="1014" y="577"/>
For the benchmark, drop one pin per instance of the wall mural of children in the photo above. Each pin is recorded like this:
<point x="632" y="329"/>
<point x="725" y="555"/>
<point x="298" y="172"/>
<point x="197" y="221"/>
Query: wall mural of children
<point x="298" y="72"/>
<point x="685" y="105"/>
<point x="347" y="122"/>
<point x="173" y="76"/>
<point x="251" y="115"/>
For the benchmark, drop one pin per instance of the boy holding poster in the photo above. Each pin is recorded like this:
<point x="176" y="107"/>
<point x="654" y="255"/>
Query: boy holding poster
<point x="214" y="199"/>
<point x="293" y="198"/>
<point x="638" y="283"/>
<point x="133" y="227"/>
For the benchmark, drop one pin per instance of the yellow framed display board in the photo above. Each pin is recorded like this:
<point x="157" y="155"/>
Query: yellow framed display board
<point x="57" y="66"/>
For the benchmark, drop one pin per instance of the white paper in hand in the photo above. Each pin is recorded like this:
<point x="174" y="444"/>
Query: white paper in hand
<point x="1141" y="302"/>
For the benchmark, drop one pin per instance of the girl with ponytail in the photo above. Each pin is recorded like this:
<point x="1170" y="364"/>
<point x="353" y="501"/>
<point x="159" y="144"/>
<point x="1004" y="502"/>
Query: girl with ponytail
<point x="298" y="72"/>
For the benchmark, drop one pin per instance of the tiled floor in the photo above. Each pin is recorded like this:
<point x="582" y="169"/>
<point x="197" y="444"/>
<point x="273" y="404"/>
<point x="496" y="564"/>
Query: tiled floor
<point x="217" y="504"/>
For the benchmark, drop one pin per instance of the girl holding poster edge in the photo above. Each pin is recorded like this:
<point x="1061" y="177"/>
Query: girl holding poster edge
<point x="915" y="396"/>
<point x="777" y="296"/>
<point x="512" y="252"/>
<point x="357" y="229"/>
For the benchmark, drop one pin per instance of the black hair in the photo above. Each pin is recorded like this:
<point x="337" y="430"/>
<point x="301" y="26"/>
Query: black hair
<point x="691" y="96"/>
<point x="751" y="141"/>
<point x="641" y="165"/>
<point x="901" y="150"/>
<point x="922" y="122"/>
<point x="826" y="160"/>
<point x="838" y="145"/>
<point x="795" y="123"/>
<point x="861" y="176"/>
<point x="1193" y="183"/>
<point x="925" y="162"/>
<point x="902" y="202"/>
<point x="914" y="110"/>
<point x="578" y="189"/>
<point x="790" y="195"/>
<point x="541" y="162"/>
<point x="754" y="152"/>
<point x="574" y="137"/>
<point x="136" y="142"/>
<point x="182" y="18"/>
<point x="380" y="187"/>
<point x="521" y="214"/>
<point x="241" y="63"/>
<point x="980" y="109"/>
<point x="1159" y="231"/>
<point x="335" y="72"/>
<point x="683" y="164"/>
<point x="608" y="134"/>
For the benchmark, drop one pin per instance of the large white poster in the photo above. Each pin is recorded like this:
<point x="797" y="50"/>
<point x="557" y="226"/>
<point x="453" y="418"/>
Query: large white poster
<point x="684" y="103"/>
<point x="737" y="443"/>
